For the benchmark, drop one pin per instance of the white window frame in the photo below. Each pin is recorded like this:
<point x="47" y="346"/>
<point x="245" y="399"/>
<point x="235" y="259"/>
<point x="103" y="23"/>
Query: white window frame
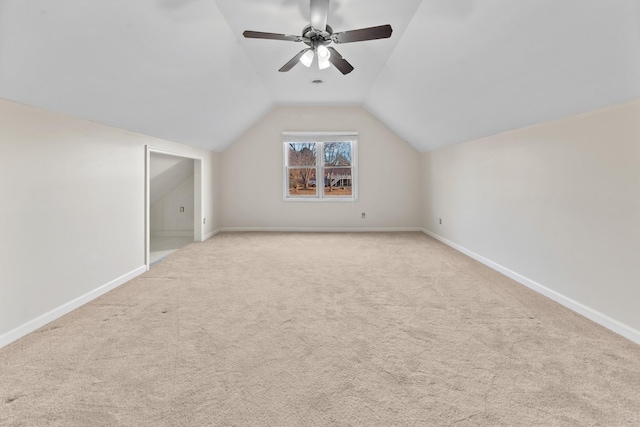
<point x="320" y="138"/>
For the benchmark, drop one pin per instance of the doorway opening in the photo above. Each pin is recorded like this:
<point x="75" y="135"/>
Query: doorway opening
<point x="173" y="205"/>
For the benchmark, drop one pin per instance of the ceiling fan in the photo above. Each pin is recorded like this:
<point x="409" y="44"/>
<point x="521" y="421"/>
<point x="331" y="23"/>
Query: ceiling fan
<point x="318" y="36"/>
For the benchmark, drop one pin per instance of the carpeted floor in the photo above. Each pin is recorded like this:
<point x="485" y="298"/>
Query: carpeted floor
<point x="389" y="329"/>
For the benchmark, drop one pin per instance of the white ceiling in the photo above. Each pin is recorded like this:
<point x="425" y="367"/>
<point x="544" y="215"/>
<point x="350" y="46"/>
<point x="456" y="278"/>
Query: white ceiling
<point x="452" y="71"/>
<point x="290" y="17"/>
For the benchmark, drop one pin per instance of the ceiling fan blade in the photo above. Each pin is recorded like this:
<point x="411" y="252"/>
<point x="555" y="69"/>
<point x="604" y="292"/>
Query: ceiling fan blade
<point x="289" y="65"/>
<point x="319" y="12"/>
<point x="363" y="34"/>
<point x="339" y="62"/>
<point x="271" y="36"/>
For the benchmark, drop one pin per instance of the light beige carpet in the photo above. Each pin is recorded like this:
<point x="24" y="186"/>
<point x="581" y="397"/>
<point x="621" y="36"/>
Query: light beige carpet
<point x="320" y="330"/>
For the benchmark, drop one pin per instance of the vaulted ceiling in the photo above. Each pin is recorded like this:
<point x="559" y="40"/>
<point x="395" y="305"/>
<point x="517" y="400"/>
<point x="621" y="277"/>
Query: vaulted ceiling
<point x="453" y="70"/>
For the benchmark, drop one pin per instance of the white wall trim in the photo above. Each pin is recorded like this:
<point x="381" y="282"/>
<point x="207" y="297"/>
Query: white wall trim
<point x="210" y="235"/>
<point x="591" y="314"/>
<point x="65" y="308"/>
<point x="322" y="230"/>
<point x="172" y="233"/>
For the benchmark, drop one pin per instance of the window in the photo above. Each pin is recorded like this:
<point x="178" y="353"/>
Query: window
<point x="320" y="166"/>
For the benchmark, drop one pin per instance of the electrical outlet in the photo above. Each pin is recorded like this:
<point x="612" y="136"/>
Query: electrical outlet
<point x="363" y="215"/>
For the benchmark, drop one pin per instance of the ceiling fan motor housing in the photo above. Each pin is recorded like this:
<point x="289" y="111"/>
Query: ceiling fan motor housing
<point x="314" y="38"/>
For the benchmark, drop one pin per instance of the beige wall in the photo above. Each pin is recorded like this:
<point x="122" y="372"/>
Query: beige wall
<point x="72" y="217"/>
<point x="557" y="203"/>
<point x="389" y="193"/>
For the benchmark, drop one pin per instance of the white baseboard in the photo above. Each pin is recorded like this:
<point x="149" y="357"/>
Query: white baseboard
<point x="321" y="230"/>
<point x="591" y="314"/>
<point x="172" y="233"/>
<point x="56" y="313"/>
<point x="210" y="235"/>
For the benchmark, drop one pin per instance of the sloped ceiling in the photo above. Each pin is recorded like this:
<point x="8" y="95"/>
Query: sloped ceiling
<point x="467" y="69"/>
<point x="453" y="70"/>
<point x="166" y="174"/>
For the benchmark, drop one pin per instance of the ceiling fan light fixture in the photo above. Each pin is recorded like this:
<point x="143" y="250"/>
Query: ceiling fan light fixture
<point x="323" y="63"/>
<point x="307" y="58"/>
<point x="323" y="52"/>
<point x="323" y="57"/>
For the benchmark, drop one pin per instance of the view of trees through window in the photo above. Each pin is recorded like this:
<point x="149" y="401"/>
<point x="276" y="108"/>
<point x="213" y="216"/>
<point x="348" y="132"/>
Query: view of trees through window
<point x="302" y="168"/>
<point x="337" y="169"/>
<point x="320" y="169"/>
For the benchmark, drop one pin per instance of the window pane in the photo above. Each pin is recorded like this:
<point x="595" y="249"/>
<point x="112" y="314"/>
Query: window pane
<point x="320" y="166"/>
<point x="302" y="182"/>
<point x="337" y="182"/>
<point x="302" y="154"/>
<point x="337" y="154"/>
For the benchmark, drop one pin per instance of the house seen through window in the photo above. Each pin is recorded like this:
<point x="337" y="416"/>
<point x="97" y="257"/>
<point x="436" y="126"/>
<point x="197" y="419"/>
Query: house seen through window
<point x="320" y="166"/>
